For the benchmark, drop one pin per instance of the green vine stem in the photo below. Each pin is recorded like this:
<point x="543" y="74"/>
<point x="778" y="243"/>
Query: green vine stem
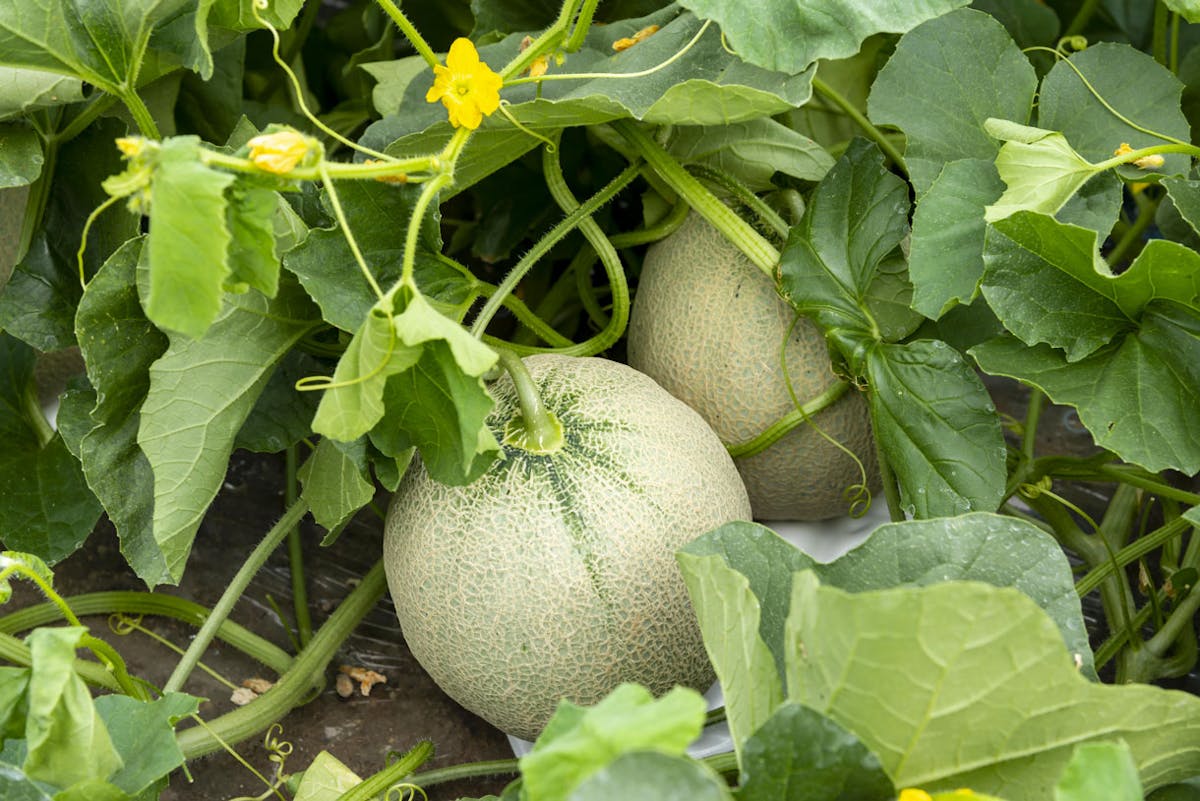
<point x="17" y="652"/>
<point x="410" y="32"/>
<point x="1082" y="17"/>
<point x="467" y="770"/>
<point x="296" y="553"/>
<point x="141" y="115"/>
<point x="1131" y="553"/>
<point x="233" y="593"/>
<point x="1134" y="232"/>
<point x="549" y="39"/>
<point x="789" y="421"/>
<point x="294" y="686"/>
<point x="538" y="430"/>
<point x="582" y="24"/>
<point x="146" y="603"/>
<point x="767" y="215"/>
<point x="37" y="198"/>
<point x="739" y="232"/>
<point x="549" y="240"/>
<point x="401" y="769"/>
<point x="891" y="490"/>
<point x="556" y="182"/>
<point x="873" y="133"/>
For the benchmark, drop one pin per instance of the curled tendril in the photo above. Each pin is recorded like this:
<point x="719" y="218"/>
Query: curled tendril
<point x="405" y="791"/>
<point x="1072" y="43"/>
<point x="124" y="624"/>
<point x="1036" y="490"/>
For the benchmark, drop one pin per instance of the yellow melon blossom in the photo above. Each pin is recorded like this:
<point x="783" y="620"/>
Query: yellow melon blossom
<point x="466" y="86"/>
<point x="1151" y="162"/>
<point x="131" y="146"/>
<point x="280" y="151"/>
<point x="913" y="794"/>
<point x="629" y="41"/>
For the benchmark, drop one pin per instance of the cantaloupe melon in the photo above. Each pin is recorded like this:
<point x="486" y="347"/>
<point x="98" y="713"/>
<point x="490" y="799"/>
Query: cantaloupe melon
<point x="708" y="326"/>
<point x="553" y="575"/>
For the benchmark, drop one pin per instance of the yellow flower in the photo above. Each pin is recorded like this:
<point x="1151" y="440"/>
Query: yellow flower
<point x="913" y="794"/>
<point x="466" y="86"/>
<point x="630" y="41"/>
<point x="539" y="66"/>
<point x="131" y="146"/>
<point x="279" y="152"/>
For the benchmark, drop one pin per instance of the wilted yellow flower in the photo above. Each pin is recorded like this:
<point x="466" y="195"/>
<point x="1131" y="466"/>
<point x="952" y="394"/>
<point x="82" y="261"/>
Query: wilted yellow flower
<point x="539" y="66"/>
<point x="466" y="86"/>
<point x="630" y="41"/>
<point x="1151" y="162"/>
<point x="279" y="152"/>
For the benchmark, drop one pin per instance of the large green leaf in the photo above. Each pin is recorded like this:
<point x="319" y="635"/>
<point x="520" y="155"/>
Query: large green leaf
<point x="579" y="742"/>
<point x="65" y="735"/>
<point x="413" y="378"/>
<point x="1047" y="282"/>
<point x="945" y="259"/>
<point x="101" y="42"/>
<point x="1100" y="770"/>
<point x="119" y="345"/>
<point x="377" y="214"/>
<point x="753" y="151"/>
<point x="22" y="91"/>
<point x="335" y="484"/>
<point x="937" y="427"/>
<point x="201" y="391"/>
<point x="801" y="755"/>
<point x="706" y="85"/>
<point x="650" y="774"/>
<point x="20" y="155"/>
<point x="45" y="506"/>
<point x="939" y="92"/>
<point x="1133" y="84"/>
<point x="962" y="684"/>
<point x="189" y="239"/>
<point x="38" y="304"/>
<point x="789" y="35"/>
<point x="854" y="220"/>
<point x="143" y="733"/>
<point x="1137" y="396"/>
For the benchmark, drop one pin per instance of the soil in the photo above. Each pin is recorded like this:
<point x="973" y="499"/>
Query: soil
<point x="360" y="731"/>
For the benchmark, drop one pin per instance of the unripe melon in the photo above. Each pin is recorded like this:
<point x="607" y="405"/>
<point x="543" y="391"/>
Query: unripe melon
<point x="553" y="575"/>
<point x="708" y="326"/>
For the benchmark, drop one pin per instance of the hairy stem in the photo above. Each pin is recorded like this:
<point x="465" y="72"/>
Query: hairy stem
<point x="873" y="133"/>
<point x="539" y="430"/>
<point x="232" y="594"/>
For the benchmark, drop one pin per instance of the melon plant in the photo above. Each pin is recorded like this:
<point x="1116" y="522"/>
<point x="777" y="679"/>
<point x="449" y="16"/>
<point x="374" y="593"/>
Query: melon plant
<point x="708" y="326"/>
<point x="553" y="575"/>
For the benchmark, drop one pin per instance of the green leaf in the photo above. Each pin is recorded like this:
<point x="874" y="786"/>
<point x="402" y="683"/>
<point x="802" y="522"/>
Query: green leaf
<point x="937" y="427"/>
<point x="38" y="304"/>
<point x="1188" y="9"/>
<point x="201" y="391"/>
<point x="751" y="151"/>
<point x="238" y="14"/>
<point x="189" y="239"/>
<point x="579" y="742"/>
<point x="737" y="621"/>
<point x="1041" y="170"/>
<point x="940" y="94"/>
<point x="813" y="30"/>
<point x="1028" y="22"/>
<point x="335" y="485"/>
<point x="22" y="91"/>
<point x="1137" y="396"/>
<point x="945" y="261"/>
<point x="20" y="155"/>
<point x="421" y="359"/>
<point x="801" y="755"/>
<point x="1131" y="82"/>
<point x="962" y="684"/>
<point x="1047" y="282"/>
<point x="250" y="216"/>
<point x="706" y="85"/>
<point x="102" y="43"/>
<point x="282" y="415"/>
<point x="45" y="506"/>
<point x="1185" y="195"/>
<point x="326" y="779"/>
<point x="66" y="737"/>
<point x="377" y="214"/>
<point x="855" y="218"/>
<point x="646" y="775"/>
<point x="119" y="345"/>
<point x="143" y="733"/>
<point x="1100" y="770"/>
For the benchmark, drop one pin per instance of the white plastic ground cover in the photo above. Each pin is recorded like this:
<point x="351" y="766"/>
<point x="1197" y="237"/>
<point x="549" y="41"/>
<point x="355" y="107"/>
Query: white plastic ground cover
<point x="824" y="541"/>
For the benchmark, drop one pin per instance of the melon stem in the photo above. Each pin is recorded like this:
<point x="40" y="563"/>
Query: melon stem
<point x="537" y="430"/>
